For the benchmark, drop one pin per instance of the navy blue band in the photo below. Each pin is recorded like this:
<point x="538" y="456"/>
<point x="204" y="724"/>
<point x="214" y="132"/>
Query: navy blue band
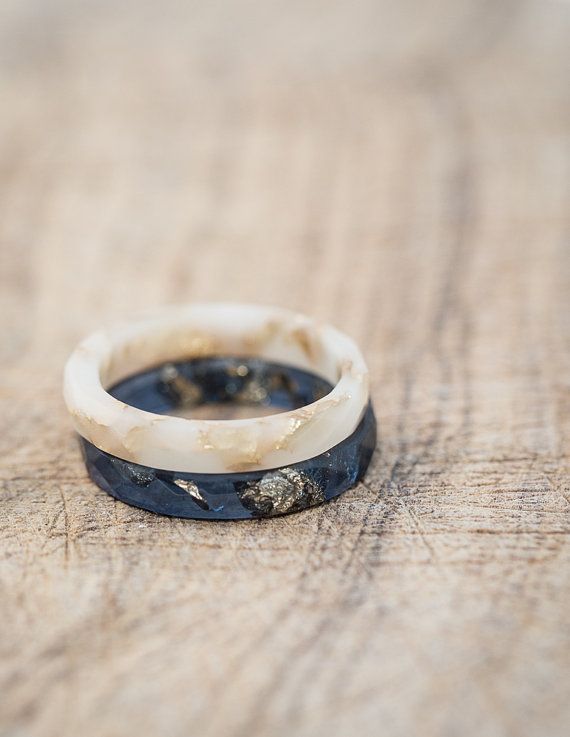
<point x="233" y="495"/>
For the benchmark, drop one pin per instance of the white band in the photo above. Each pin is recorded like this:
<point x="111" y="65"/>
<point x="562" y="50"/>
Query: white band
<point x="215" y="446"/>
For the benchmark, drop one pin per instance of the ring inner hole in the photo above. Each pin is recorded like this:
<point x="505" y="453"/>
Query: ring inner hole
<point x="221" y="388"/>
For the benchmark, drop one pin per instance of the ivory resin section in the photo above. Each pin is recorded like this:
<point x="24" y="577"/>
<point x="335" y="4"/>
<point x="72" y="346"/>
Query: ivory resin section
<point x="215" y="446"/>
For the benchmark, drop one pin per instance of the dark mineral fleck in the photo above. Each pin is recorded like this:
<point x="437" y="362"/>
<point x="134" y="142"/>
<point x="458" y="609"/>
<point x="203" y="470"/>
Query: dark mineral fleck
<point x="191" y="488"/>
<point x="279" y="492"/>
<point x="140" y="475"/>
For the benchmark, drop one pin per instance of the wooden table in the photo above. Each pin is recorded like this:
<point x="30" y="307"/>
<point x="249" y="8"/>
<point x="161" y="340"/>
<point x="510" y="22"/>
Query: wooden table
<point x="398" y="169"/>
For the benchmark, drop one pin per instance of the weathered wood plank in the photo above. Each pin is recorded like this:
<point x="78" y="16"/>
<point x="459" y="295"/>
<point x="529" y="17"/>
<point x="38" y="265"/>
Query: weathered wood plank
<point x="398" y="169"/>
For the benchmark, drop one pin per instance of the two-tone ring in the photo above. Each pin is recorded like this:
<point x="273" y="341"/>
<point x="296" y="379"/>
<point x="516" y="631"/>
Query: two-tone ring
<point x="124" y="385"/>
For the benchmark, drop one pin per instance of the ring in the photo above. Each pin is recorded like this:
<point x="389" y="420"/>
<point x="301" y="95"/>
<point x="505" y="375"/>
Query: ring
<point x="123" y="385"/>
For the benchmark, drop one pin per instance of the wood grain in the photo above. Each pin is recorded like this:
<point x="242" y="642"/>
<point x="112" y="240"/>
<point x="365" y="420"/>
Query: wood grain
<point x="399" y="169"/>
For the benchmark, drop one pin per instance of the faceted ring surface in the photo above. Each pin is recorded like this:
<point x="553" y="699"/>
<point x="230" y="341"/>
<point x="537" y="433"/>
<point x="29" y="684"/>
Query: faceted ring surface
<point x="121" y="383"/>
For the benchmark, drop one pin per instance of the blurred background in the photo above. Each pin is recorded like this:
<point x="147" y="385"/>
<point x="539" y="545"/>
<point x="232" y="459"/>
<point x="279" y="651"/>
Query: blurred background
<point x="399" y="169"/>
<point x="255" y="150"/>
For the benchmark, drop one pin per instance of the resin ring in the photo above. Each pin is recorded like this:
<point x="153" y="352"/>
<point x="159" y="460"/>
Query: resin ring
<point x="121" y="383"/>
